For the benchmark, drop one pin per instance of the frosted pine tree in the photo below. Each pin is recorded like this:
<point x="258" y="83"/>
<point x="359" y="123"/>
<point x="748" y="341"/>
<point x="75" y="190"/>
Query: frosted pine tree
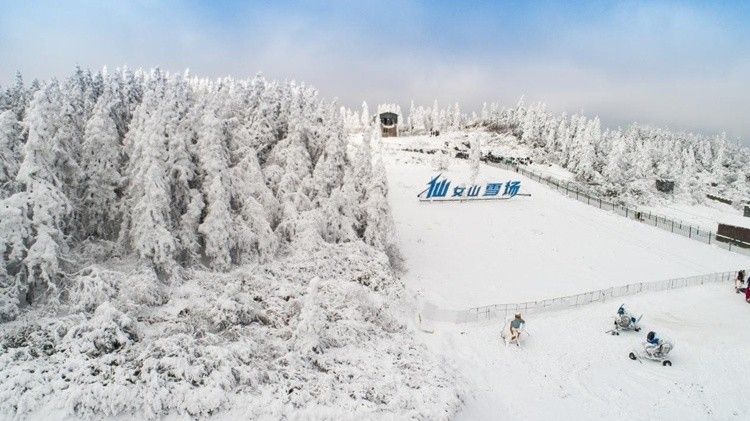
<point x="101" y="160"/>
<point x="15" y="227"/>
<point x="293" y="159"/>
<point x="410" y="118"/>
<point x="217" y="229"/>
<point x="257" y="208"/>
<point x="361" y="176"/>
<point x="687" y="183"/>
<point x="365" y="116"/>
<point x="435" y="122"/>
<point x="475" y="156"/>
<point x="456" y="118"/>
<point x="181" y="115"/>
<point x="40" y="177"/>
<point x="18" y="98"/>
<point x="11" y="146"/>
<point x="328" y="173"/>
<point x="146" y="226"/>
<point x="380" y="229"/>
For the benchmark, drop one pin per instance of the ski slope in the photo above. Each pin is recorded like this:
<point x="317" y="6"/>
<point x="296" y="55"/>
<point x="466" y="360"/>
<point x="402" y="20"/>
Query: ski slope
<point x="706" y="216"/>
<point x="570" y="369"/>
<point x="467" y="254"/>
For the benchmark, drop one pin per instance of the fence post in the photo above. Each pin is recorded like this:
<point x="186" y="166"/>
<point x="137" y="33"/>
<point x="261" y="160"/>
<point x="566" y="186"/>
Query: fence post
<point x="709" y="237"/>
<point x="672" y="226"/>
<point x="690" y="232"/>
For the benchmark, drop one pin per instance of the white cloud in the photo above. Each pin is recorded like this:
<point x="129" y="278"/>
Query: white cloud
<point x="658" y="64"/>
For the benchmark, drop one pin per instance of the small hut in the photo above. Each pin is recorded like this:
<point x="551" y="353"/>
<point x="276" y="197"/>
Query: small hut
<point x="388" y="124"/>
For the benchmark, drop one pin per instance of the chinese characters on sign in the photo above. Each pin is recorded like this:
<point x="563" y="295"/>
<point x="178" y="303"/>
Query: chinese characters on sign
<point x="438" y="189"/>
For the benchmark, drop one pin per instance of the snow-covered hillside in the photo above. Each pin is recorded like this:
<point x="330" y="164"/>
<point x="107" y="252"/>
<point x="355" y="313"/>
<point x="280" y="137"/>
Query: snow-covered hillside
<point x="467" y="254"/>
<point x="707" y="215"/>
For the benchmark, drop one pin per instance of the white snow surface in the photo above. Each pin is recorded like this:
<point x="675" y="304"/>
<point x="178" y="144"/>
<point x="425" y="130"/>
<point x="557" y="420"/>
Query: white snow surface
<point x="568" y="368"/>
<point x="705" y="216"/>
<point x="464" y="254"/>
<point x="467" y="254"/>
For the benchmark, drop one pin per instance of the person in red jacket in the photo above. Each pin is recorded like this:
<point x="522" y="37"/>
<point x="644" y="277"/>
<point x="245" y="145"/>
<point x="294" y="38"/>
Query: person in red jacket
<point x="747" y="294"/>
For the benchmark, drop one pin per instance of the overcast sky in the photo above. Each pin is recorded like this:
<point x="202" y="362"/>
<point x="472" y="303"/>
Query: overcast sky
<point x="685" y="65"/>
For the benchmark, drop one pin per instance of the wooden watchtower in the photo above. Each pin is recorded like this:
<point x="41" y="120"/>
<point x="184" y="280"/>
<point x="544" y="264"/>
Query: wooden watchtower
<point x="389" y="124"/>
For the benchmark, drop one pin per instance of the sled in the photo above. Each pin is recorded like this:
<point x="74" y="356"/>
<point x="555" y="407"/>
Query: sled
<point x="637" y="357"/>
<point x="659" y="354"/>
<point x="505" y="334"/>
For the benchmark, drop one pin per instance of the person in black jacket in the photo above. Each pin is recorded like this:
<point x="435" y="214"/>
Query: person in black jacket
<point x="739" y="281"/>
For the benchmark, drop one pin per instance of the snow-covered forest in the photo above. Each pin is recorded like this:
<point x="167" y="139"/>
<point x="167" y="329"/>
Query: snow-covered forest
<point x="177" y="244"/>
<point x="625" y="163"/>
<point x="621" y="164"/>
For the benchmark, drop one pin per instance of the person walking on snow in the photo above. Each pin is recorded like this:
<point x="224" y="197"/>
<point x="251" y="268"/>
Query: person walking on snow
<point x="515" y="327"/>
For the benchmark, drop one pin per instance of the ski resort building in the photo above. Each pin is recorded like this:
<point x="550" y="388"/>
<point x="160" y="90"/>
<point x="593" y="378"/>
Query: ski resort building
<point x="388" y="124"/>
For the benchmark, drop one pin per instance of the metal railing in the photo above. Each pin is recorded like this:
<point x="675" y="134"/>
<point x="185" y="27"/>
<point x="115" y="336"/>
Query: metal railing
<point x="664" y="223"/>
<point x="494" y="311"/>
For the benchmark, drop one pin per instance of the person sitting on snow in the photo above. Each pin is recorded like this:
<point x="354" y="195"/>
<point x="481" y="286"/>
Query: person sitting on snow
<point x="652" y="342"/>
<point x="515" y="327"/>
<point x="624" y="319"/>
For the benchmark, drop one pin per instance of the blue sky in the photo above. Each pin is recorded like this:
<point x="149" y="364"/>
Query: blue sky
<point x="685" y="65"/>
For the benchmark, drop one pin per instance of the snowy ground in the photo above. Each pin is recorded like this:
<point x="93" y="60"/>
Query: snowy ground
<point x="570" y="369"/>
<point x="462" y="255"/>
<point x="705" y="216"/>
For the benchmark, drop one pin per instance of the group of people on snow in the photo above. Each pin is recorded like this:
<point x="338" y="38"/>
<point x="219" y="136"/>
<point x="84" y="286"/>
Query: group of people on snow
<point x="654" y="347"/>
<point x="738" y="285"/>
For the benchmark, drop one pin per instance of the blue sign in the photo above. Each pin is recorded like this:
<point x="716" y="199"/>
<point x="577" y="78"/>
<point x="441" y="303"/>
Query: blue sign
<point x="438" y="189"/>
